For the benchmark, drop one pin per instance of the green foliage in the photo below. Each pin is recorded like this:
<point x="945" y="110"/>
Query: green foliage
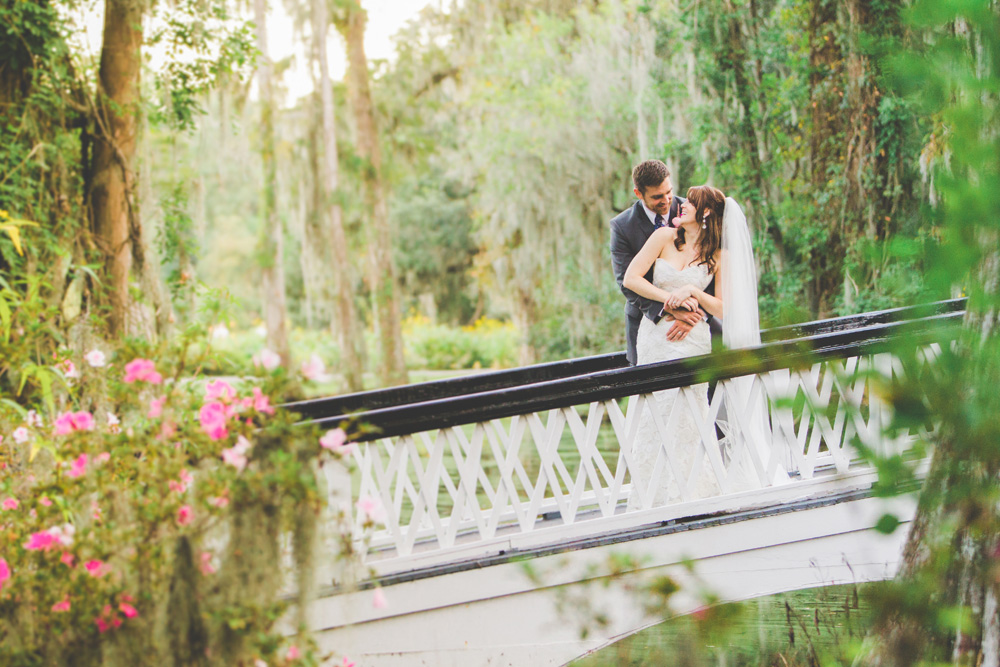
<point x="159" y="538"/>
<point x="486" y="344"/>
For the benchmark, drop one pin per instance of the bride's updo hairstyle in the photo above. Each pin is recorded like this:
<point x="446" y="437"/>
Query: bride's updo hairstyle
<point x="710" y="204"/>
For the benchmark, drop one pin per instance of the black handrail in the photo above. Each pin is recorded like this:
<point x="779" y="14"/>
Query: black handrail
<point x="324" y="408"/>
<point x="629" y="381"/>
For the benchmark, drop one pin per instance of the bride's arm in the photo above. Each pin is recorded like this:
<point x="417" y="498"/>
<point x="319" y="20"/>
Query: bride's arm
<point x="635" y="274"/>
<point x="711" y="304"/>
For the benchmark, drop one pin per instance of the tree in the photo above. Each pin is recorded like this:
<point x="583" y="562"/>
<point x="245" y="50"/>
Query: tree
<point x="113" y="207"/>
<point x="944" y="604"/>
<point x="329" y="210"/>
<point x="382" y="263"/>
<point x="271" y="243"/>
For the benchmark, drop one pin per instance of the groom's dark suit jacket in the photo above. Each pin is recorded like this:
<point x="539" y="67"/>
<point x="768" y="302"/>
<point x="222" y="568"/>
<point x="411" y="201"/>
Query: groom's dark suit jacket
<point x="630" y="230"/>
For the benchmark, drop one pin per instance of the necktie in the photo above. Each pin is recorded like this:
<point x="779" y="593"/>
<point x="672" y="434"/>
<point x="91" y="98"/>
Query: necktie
<point x="657" y="221"/>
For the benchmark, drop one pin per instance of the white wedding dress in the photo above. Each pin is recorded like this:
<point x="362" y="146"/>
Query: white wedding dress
<point x="681" y="429"/>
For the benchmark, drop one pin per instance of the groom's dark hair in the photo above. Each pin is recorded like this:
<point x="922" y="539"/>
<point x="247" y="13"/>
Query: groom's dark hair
<point x="649" y="174"/>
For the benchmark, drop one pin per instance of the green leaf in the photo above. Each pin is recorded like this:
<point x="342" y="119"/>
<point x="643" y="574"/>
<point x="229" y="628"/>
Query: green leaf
<point x="887" y="524"/>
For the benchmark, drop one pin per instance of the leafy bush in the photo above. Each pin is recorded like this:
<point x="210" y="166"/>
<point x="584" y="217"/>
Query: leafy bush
<point x="151" y="515"/>
<point x="488" y="343"/>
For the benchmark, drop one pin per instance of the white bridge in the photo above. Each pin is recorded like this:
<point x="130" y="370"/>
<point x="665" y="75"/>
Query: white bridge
<point x="507" y="539"/>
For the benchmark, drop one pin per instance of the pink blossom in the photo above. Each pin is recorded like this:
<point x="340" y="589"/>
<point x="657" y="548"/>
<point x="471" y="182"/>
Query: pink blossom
<point x="128" y="610"/>
<point x="142" y="370"/>
<point x="220" y="501"/>
<point x="95" y="358"/>
<point x="44" y="500"/>
<point x="64" y="533"/>
<point x="219" y="390"/>
<point x="61" y="606"/>
<point x="206" y="563"/>
<point x="10" y="504"/>
<point x="213" y="417"/>
<point x="314" y="369"/>
<point x="68" y="422"/>
<point x="372" y="508"/>
<point x="114" y="423"/>
<point x="156" y="407"/>
<point x="4" y="572"/>
<point x="104" y="457"/>
<point x="95" y="568"/>
<point x="335" y="440"/>
<point x="69" y="369"/>
<point x="236" y="455"/>
<point x="184" y="515"/>
<point x="43" y="540"/>
<point x="261" y="403"/>
<point x="378" y="599"/>
<point x="293" y="653"/>
<point x="33" y="419"/>
<point x="266" y="358"/>
<point x="347" y="662"/>
<point x="184" y="481"/>
<point x="67" y="559"/>
<point x="20" y="435"/>
<point x="102" y="625"/>
<point x="79" y="467"/>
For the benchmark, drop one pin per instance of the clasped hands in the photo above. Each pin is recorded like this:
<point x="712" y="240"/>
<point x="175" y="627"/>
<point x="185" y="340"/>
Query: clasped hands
<point x="684" y="308"/>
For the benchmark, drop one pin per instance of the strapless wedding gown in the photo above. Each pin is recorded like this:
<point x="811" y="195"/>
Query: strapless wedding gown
<point x="681" y="431"/>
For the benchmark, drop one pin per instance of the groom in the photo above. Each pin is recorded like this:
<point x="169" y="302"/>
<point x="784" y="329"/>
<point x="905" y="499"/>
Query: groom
<point x="657" y="206"/>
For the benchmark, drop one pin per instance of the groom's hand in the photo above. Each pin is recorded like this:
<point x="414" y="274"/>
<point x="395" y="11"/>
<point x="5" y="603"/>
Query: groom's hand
<point x="684" y="321"/>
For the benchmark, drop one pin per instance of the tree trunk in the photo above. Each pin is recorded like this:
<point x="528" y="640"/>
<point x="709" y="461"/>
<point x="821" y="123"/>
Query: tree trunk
<point x="114" y="215"/>
<point x="330" y="212"/>
<point x="382" y="263"/>
<point x="271" y="238"/>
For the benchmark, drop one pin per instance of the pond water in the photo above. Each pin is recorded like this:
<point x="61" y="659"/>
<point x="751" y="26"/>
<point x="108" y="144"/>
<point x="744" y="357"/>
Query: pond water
<point x="818" y="626"/>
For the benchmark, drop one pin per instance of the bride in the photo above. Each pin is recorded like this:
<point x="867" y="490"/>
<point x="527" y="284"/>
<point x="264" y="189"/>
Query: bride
<point x="710" y="240"/>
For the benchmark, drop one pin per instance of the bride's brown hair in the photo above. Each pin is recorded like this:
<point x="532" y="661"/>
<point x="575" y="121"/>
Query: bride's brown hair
<point x="709" y="203"/>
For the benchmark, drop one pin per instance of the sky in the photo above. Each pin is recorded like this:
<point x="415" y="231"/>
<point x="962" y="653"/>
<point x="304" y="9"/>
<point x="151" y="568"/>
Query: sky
<point x="385" y="18"/>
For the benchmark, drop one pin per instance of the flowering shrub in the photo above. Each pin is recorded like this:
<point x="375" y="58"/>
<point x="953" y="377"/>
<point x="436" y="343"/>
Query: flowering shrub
<point x="143" y="513"/>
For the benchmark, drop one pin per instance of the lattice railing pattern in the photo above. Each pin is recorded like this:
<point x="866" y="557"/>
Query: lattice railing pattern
<point x="478" y="481"/>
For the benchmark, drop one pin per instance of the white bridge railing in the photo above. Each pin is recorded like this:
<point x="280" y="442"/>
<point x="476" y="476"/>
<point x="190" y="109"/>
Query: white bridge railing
<point x="487" y="472"/>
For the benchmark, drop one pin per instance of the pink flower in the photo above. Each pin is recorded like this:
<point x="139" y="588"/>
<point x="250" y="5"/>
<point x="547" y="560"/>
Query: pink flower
<point x="293" y="653"/>
<point x="20" y="435"/>
<point x="104" y="457"/>
<point x="64" y="534"/>
<point x="79" y="467"/>
<point x="113" y="423"/>
<point x="95" y="568"/>
<point x="213" y="417"/>
<point x="43" y="540"/>
<point x="95" y="358"/>
<point x="142" y="370"/>
<point x="4" y="572"/>
<point x="378" y="599"/>
<point x="236" y="455"/>
<point x="33" y="419"/>
<point x="61" y="606"/>
<point x="347" y="662"/>
<point x="67" y="559"/>
<point x="184" y="515"/>
<point x="102" y="625"/>
<point x="206" y="563"/>
<point x="314" y="369"/>
<point x="261" y="403"/>
<point x="371" y="508"/>
<point x="10" y="504"/>
<point x="269" y="360"/>
<point x="220" y="501"/>
<point x="69" y="369"/>
<point x="334" y="440"/>
<point x="156" y="407"/>
<point x="44" y="500"/>
<point x="183" y="483"/>
<point x="128" y="610"/>
<point x="68" y="422"/>
<point x="219" y="390"/>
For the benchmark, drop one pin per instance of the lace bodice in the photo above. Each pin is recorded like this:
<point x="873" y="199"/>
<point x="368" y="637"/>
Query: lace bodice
<point x="665" y="276"/>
